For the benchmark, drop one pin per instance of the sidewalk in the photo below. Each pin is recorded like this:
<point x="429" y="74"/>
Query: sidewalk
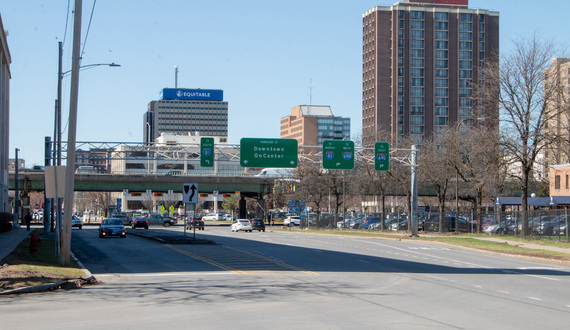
<point x="527" y="245"/>
<point x="10" y="240"/>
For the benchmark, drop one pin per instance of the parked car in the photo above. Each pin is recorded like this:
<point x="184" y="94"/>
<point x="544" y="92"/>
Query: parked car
<point x="125" y="219"/>
<point x="140" y="223"/>
<point x="76" y="222"/>
<point x="195" y="222"/>
<point x="258" y="224"/>
<point x="292" y="220"/>
<point x="499" y="228"/>
<point x="112" y="227"/>
<point x="449" y="224"/>
<point x="212" y="217"/>
<point x="546" y="227"/>
<point x="157" y="219"/>
<point x="369" y="221"/>
<point x="242" y="224"/>
<point x="560" y="229"/>
<point x="402" y="224"/>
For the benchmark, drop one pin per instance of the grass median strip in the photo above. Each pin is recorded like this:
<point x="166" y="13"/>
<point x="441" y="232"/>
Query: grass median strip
<point x="22" y="269"/>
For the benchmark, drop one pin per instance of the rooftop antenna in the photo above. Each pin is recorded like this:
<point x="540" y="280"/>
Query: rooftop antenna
<point x="176" y="76"/>
<point x="310" y="92"/>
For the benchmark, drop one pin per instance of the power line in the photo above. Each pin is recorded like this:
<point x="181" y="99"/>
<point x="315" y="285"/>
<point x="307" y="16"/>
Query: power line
<point x="66" y="22"/>
<point x="88" y="27"/>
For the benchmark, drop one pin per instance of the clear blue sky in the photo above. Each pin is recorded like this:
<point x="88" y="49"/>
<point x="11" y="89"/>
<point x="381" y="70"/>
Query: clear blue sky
<point x="263" y="54"/>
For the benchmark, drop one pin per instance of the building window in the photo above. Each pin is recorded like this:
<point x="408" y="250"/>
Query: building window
<point x="465" y="55"/>
<point x="417" y="53"/>
<point x="417" y="91"/>
<point x="417" y="43"/>
<point x="464" y="17"/>
<point x="417" y="111"/>
<point x="441" y="73"/>
<point x="439" y="44"/>
<point x="441" y="111"/>
<point x="416" y="129"/>
<point x="441" y="16"/>
<point x="441" y="54"/>
<point x="417" y="15"/>
<point x="465" y="45"/>
<point x="441" y="35"/>
<point x="465" y="27"/>
<point x="417" y="34"/>
<point x="417" y="82"/>
<point x="464" y="36"/>
<point x="417" y="72"/>
<point x="417" y="25"/>
<point x="441" y="83"/>
<point x="557" y="182"/>
<point x="440" y="64"/>
<point x="441" y="25"/>
<point x="417" y="63"/>
<point x="419" y="120"/>
<point x="441" y="92"/>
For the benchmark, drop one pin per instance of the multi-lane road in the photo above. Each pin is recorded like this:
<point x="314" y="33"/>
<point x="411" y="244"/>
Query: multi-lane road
<point x="296" y="280"/>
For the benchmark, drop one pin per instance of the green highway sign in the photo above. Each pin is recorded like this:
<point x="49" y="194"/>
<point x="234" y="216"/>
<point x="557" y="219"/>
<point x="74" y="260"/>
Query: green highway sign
<point x="338" y="154"/>
<point x="281" y="153"/>
<point x="382" y="156"/>
<point x="207" y="152"/>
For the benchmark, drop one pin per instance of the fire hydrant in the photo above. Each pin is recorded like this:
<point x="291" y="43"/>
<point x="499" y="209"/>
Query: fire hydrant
<point x="34" y="240"/>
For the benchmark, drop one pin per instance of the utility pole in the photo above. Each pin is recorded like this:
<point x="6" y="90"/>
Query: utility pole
<point x="414" y="188"/>
<point x="70" y="169"/>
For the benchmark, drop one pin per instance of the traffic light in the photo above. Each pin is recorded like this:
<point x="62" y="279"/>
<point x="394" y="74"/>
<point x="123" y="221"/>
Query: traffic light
<point x="203" y="195"/>
<point x="227" y="195"/>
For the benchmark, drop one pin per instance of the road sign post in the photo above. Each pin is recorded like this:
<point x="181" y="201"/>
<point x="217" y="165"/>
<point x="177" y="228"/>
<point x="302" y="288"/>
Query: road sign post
<point x="190" y="198"/>
<point x="207" y="152"/>
<point x="338" y="154"/>
<point x="280" y="153"/>
<point x="382" y="156"/>
<point x="190" y="193"/>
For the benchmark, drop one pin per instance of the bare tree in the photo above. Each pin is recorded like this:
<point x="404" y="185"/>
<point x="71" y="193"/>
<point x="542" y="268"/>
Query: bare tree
<point x="311" y="186"/>
<point x="148" y="202"/>
<point x="526" y="96"/>
<point x="478" y="161"/>
<point x="437" y="168"/>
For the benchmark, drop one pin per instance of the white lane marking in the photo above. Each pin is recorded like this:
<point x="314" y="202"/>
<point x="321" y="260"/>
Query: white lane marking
<point x="534" y="298"/>
<point x="540" y="268"/>
<point x="543" y="277"/>
<point x="478" y="286"/>
<point x="501" y="291"/>
<point x="158" y="274"/>
<point x="363" y="261"/>
<point x="318" y="251"/>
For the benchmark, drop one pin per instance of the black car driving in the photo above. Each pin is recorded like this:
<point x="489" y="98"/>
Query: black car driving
<point x="258" y="224"/>
<point x="195" y="222"/>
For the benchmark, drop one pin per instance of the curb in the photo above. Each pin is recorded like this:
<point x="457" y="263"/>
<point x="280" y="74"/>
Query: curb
<point x="70" y="284"/>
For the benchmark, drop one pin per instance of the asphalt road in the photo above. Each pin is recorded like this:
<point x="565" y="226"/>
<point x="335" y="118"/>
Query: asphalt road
<point x="284" y="280"/>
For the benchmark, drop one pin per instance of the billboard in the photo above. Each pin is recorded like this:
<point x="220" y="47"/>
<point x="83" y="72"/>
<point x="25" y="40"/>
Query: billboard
<point x="191" y="94"/>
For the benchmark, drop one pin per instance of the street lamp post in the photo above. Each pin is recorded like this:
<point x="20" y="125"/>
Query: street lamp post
<point x="57" y="124"/>
<point x="16" y="194"/>
<point x="148" y="153"/>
